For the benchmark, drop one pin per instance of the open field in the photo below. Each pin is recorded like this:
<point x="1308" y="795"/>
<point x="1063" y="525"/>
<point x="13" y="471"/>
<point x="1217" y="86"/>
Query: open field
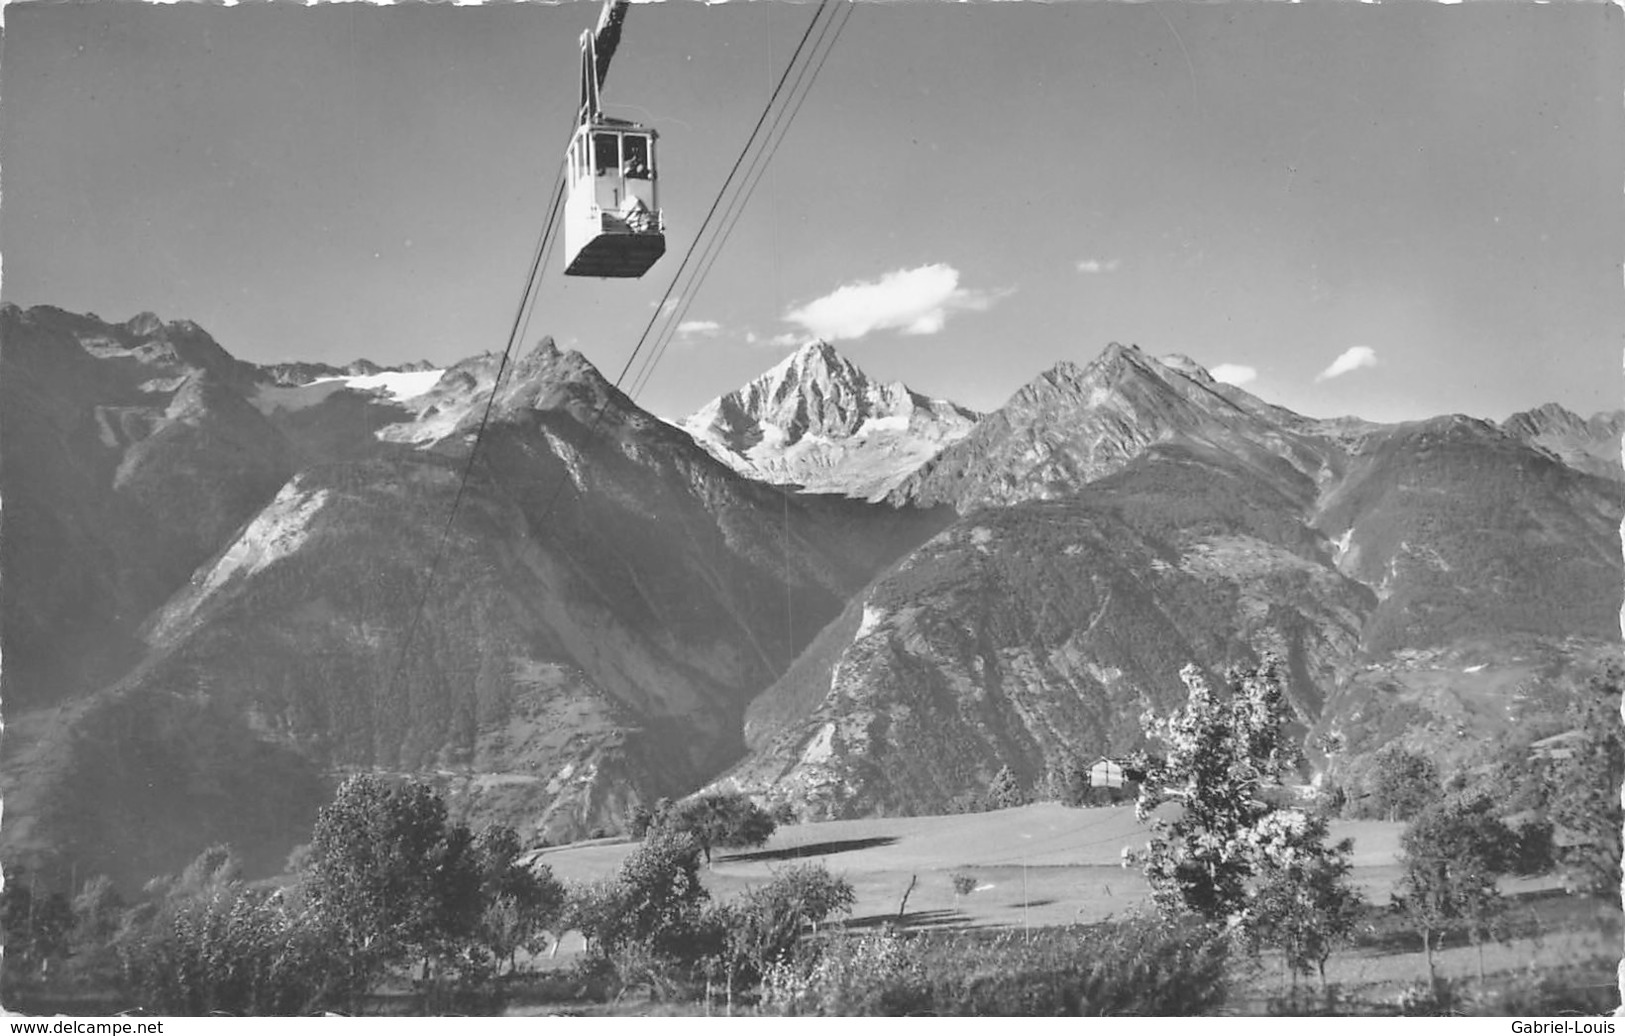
<point x="1046" y="864"/>
<point x="1043" y="864"/>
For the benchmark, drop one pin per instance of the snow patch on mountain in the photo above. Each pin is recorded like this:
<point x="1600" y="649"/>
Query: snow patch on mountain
<point x="397" y="385"/>
<point x="394" y="386"/>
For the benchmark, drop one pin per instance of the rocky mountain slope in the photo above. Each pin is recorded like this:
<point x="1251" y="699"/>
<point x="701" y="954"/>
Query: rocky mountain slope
<point x="817" y="422"/>
<point x="1130" y="516"/>
<point x="1590" y="444"/>
<point x="604" y="607"/>
<point x="130" y="453"/>
<point x="227" y="586"/>
<point x="1024" y="634"/>
<point x="1074" y="424"/>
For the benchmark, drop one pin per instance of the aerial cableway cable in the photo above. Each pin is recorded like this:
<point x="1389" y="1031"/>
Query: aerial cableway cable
<point x="750" y="147"/>
<point x="741" y="194"/>
<point x="521" y="320"/>
<point x="777" y="130"/>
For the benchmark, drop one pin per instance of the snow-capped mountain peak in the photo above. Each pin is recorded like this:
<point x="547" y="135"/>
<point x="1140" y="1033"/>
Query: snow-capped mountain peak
<point x="818" y="421"/>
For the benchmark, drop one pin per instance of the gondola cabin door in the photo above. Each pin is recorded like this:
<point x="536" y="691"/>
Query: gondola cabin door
<point x="612" y="224"/>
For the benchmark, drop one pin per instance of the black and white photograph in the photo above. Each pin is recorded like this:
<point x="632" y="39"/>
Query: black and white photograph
<point x="811" y="508"/>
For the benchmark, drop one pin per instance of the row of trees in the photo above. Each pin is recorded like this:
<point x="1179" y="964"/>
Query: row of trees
<point x="387" y="885"/>
<point x="389" y="891"/>
<point x="1226" y="849"/>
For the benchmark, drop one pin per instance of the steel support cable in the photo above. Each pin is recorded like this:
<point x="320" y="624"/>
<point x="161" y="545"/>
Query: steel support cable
<point x="732" y="210"/>
<point x="520" y="318"/>
<point x="743" y="194"/>
<point x="544" y="246"/>
<point x="743" y="197"/>
<point x="727" y="182"/>
<point x="688" y="256"/>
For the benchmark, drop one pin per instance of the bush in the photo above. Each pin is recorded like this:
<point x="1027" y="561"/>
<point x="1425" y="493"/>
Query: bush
<point x="1124" y="967"/>
<point x="228" y="948"/>
<point x="1548" y="994"/>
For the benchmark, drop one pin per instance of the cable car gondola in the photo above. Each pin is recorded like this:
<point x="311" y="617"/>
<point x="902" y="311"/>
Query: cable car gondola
<point x="612" y="221"/>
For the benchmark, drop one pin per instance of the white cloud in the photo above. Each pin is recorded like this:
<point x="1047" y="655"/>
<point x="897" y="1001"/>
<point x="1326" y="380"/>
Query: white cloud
<point x="914" y="302"/>
<point x="698" y="327"/>
<point x="1098" y="265"/>
<point x="1352" y="359"/>
<point x="1234" y="373"/>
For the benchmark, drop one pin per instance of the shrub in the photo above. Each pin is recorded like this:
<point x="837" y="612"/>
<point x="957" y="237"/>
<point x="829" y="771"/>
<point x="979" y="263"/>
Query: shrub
<point x="1137" y="966"/>
<point x="765" y="923"/>
<point x="221" y="946"/>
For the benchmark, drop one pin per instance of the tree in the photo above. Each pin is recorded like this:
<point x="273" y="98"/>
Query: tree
<point x="638" y="820"/>
<point x="391" y="879"/>
<point x="1401" y="783"/>
<point x="720" y="820"/>
<point x="1004" y="791"/>
<point x="1304" y="904"/>
<point x="1584" y="794"/>
<point x="518" y="902"/>
<point x="1067" y="781"/>
<point x="1451" y="855"/>
<point x="654" y="903"/>
<point x="36" y="924"/>
<point x="1221" y="757"/>
<point x="764" y="924"/>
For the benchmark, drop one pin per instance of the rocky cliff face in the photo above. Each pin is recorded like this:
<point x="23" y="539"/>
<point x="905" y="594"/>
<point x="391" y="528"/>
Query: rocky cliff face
<point x="815" y="421"/>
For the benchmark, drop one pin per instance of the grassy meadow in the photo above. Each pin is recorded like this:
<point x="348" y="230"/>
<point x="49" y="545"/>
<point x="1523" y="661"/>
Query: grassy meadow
<point x="1046" y="865"/>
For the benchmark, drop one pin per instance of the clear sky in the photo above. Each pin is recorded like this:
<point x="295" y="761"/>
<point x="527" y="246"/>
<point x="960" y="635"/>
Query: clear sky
<point x="1393" y="211"/>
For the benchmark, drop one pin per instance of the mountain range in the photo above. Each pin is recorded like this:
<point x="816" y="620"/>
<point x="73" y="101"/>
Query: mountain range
<point x="226" y="585"/>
